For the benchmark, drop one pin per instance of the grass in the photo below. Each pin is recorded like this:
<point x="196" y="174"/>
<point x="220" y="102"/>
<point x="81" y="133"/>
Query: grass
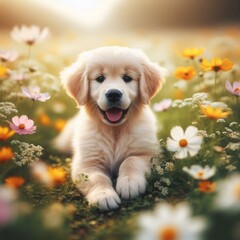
<point x="60" y="212"/>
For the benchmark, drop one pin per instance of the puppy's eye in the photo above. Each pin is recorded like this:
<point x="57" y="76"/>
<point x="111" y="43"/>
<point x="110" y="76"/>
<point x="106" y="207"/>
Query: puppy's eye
<point x="127" y="78"/>
<point x="100" y="78"/>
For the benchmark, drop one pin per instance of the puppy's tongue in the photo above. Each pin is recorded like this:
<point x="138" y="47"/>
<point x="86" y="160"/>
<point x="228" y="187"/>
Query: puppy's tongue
<point x="114" y="114"/>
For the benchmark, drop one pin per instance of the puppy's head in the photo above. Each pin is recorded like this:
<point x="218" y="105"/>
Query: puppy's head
<point x="112" y="81"/>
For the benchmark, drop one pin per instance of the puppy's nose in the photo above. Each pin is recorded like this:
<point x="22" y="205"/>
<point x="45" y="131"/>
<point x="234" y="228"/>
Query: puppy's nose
<point x="113" y="95"/>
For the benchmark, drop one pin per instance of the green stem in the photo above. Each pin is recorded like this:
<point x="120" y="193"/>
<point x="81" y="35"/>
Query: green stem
<point x="29" y="56"/>
<point x="215" y="86"/>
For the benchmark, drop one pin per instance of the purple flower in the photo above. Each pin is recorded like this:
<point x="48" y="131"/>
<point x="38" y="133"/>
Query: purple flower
<point x="34" y="94"/>
<point x="22" y="125"/>
<point x="8" y="56"/>
<point x="234" y="89"/>
<point x="162" y="106"/>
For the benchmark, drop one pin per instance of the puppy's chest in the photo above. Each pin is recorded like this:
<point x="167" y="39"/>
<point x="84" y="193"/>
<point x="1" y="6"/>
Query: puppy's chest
<point x="114" y="149"/>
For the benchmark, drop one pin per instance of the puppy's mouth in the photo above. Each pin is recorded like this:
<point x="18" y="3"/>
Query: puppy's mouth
<point x="114" y="115"/>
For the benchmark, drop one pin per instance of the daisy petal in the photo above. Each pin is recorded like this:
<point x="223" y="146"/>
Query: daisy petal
<point x="177" y="133"/>
<point x="181" y="154"/>
<point x="190" y="132"/>
<point x="172" y="145"/>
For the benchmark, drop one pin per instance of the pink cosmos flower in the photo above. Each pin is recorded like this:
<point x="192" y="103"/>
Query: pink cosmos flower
<point x="18" y="76"/>
<point x="163" y="105"/>
<point x="29" y="34"/>
<point x="22" y="125"/>
<point x="234" y="89"/>
<point x="8" y="56"/>
<point x="34" y="94"/>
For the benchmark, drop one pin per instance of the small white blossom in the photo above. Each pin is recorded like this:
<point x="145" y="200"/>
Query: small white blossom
<point x="184" y="143"/>
<point x="200" y="173"/>
<point x="27" y="153"/>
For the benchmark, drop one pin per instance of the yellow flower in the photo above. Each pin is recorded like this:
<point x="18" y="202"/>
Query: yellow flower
<point x="3" y="71"/>
<point x="214" y="113"/>
<point x="5" y="133"/>
<point x="44" y="119"/>
<point x="6" y="154"/>
<point x="186" y="73"/>
<point x="60" y="124"/>
<point x="14" y="182"/>
<point x="217" y="64"/>
<point x="192" y="52"/>
<point x="57" y="175"/>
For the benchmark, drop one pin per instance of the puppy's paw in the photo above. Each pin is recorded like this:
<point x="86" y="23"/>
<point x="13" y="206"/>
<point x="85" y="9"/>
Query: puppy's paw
<point x="106" y="199"/>
<point x="131" y="187"/>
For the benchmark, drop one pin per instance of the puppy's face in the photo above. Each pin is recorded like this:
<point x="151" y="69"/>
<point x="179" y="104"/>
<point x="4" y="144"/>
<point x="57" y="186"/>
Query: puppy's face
<point x="111" y="80"/>
<point x="114" y="86"/>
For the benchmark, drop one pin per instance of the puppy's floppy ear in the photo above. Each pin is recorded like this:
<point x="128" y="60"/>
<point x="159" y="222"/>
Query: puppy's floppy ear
<point x="151" y="81"/>
<point x="74" y="79"/>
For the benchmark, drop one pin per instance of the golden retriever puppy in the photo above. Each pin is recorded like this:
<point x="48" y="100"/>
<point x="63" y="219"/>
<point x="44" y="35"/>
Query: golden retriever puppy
<point x="114" y="134"/>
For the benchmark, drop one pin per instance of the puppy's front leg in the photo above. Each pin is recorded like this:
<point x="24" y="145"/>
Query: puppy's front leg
<point x="131" y="180"/>
<point x="97" y="188"/>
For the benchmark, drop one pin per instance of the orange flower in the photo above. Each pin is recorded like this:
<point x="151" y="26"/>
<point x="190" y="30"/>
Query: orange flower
<point x="186" y="73"/>
<point x="217" y="64"/>
<point x="6" y="154"/>
<point x="192" y="52"/>
<point x="3" y="71"/>
<point x="57" y="175"/>
<point x="44" y="119"/>
<point x="5" y="133"/>
<point x="206" y="186"/>
<point x="214" y="113"/>
<point x="60" y="124"/>
<point x="14" y="182"/>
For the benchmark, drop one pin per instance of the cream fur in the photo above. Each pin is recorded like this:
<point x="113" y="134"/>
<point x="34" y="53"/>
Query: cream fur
<point x="102" y="150"/>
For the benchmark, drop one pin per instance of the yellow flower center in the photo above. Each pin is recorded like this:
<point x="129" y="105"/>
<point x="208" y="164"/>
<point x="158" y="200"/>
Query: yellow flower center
<point x="237" y="90"/>
<point x="200" y="173"/>
<point x="183" y="143"/>
<point x="237" y="191"/>
<point x="168" y="233"/>
<point x="21" y="126"/>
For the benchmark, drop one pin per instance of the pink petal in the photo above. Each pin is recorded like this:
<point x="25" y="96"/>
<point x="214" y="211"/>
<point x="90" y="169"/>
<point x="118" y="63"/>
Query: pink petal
<point x="15" y="120"/>
<point x="14" y="127"/>
<point x="229" y="87"/>
<point x="236" y="85"/>
<point x="29" y="123"/>
<point x="23" y="119"/>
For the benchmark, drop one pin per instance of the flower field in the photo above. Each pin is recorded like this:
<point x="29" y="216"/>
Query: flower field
<point x="193" y="191"/>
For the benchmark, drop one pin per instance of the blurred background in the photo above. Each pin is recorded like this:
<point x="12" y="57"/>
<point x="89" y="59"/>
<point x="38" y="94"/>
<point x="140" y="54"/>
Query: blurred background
<point x="110" y="16"/>
<point x="162" y="29"/>
<point x="148" y="25"/>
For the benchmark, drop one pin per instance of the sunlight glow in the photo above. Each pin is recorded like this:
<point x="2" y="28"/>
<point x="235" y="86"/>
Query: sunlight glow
<point x="89" y="13"/>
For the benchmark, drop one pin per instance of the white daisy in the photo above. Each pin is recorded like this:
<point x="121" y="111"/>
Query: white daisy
<point x="228" y="193"/>
<point x="200" y="173"/>
<point x="29" y="35"/>
<point x="184" y="143"/>
<point x="8" y="56"/>
<point x="168" y="222"/>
